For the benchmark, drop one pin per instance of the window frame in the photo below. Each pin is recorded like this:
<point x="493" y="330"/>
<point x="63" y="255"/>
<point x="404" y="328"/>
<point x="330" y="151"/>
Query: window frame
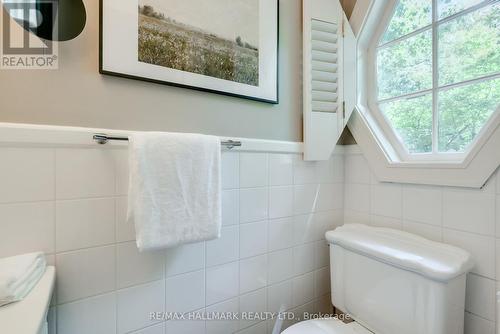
<point x="386" y="163"/>
<point x="372" y="87"/>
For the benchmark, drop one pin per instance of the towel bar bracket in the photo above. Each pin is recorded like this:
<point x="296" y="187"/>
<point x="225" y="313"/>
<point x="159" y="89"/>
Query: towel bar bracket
<point x="102" y="139"/>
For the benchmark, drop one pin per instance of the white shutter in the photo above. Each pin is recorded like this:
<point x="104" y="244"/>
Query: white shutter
<point x="349" y="70"/>
<point x="324" y="66"/>
<point x="323" y="77"/>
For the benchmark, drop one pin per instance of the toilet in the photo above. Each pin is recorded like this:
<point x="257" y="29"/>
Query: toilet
<point x="392" y="282"/>
<point x="30" y="315"/>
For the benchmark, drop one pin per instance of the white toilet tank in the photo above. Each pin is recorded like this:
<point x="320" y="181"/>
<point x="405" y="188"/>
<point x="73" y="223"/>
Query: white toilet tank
<point x="393" y="282"/>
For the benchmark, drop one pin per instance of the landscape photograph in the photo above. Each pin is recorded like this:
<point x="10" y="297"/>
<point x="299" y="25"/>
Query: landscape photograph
<point x="215" y="38"/>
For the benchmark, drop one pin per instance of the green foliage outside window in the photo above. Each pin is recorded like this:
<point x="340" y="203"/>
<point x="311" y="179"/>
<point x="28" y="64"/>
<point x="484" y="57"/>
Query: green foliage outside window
<point x="468" y="48"/>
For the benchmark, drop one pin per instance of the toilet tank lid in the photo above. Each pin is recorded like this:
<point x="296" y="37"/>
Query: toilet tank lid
<point x="431" y="259"/>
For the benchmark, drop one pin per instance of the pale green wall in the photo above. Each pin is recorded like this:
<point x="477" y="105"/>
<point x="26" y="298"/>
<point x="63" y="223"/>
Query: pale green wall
<point x="78" y="95"/>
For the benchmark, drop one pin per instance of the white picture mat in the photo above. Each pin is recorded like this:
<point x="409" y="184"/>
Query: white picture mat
<point x="120" y="52"/>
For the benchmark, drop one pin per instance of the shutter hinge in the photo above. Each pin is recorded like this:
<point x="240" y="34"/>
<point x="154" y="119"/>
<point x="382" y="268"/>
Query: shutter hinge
<point x="343" y="31"/>
<point x="343" y="109"/>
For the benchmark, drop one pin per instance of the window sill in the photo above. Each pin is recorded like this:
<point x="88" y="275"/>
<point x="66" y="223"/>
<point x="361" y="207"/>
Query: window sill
<point x="472" y="172"/>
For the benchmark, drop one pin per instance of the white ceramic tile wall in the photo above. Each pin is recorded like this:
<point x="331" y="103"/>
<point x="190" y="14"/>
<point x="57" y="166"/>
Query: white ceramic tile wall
<point x="276" y="209"/>
<point x="466" y="218"/>
<point x="71" y="204"/>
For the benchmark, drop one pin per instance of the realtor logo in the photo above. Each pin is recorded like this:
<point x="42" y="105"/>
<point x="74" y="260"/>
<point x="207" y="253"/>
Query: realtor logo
<point x="21" y="48"/>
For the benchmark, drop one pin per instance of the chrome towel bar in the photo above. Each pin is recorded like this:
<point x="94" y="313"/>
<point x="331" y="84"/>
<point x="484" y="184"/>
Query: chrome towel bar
<point x="102" y="139"/>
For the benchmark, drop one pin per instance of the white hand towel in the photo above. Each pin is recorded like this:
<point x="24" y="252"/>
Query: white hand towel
<point x="174" y="188"/>
<point x="19" y="274"/>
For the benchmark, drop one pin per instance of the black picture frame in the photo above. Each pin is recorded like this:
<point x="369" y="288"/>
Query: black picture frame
<point x="178" y="85"/>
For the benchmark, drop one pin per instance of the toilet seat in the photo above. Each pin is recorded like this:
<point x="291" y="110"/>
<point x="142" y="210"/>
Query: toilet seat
<point x="326" y="326"/>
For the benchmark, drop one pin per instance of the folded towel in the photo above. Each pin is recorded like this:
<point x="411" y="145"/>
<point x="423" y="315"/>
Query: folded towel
<point x="19" y="274"/>
<point x="174" y="188"/>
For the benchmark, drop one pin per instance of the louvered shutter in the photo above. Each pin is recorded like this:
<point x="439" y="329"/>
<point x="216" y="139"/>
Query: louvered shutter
<point x="323" y="71"/>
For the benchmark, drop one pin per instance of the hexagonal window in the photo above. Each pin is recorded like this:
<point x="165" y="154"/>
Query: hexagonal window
<point x="438" y="73"/>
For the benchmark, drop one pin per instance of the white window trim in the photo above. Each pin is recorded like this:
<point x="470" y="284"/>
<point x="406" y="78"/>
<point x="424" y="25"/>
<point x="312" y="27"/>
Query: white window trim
<point x="377" y="139"/>
<point x="373" y="100"/>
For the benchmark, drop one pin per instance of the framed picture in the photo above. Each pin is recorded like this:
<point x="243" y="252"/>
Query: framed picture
<point x="228" y="47"/>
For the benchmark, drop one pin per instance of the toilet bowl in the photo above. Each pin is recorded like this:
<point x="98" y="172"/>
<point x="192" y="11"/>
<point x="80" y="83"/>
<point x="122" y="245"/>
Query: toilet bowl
<point x="326" y="326"/>
<point x="392" y="282"/>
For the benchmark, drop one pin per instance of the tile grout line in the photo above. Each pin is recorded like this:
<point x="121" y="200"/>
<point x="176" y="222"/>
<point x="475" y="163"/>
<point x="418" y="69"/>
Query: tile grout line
<point x="115" y="245"/>
<point x="441" y="218"/>
<point x="268" y="177"/>
<point x="495" y="254"/>
<point x="54" y="207"/>
<point x="237" y="297"/>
